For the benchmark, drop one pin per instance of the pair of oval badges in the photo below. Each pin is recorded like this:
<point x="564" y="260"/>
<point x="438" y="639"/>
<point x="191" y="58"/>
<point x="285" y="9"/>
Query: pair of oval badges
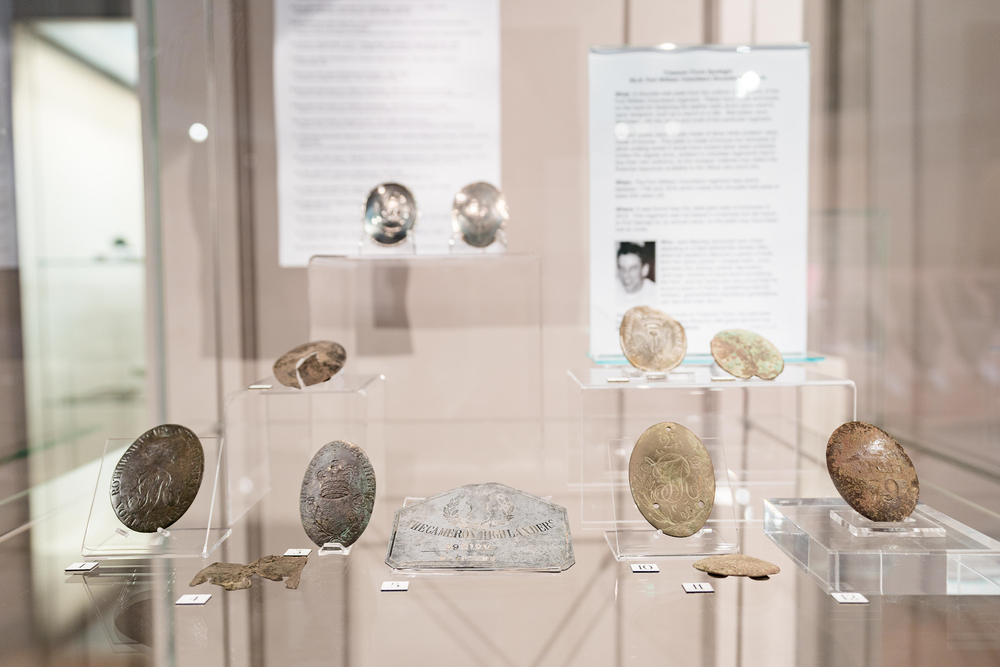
<point x="651" y="340"/>
<point x="478" y="213"/>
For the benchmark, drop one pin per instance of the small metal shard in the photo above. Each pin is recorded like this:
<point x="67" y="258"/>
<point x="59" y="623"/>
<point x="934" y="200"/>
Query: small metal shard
<point x="651" y="340"/>
<point x="338" y="494"/>
<point x="737" y="565"/>
<point x="746" y="354"/>
<point x="672" y="479"/>
<point x="872" y="472"/>
<point x="478" y="213"/>
<point x="390" y="214"/>
<point x="314" y="362"/>
<point x="231" y="576"/>
<point x="157" y="478"/>
<point x="277" y="567"/>
<point x="234" y="577"/>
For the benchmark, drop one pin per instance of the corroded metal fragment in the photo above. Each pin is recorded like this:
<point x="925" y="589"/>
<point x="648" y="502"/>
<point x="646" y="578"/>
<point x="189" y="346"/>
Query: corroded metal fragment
<point x="737" y="565"/>
<point x="746" y="354"/>
<point x="338" y="494"/>
<point x="672" y="479"/>
<point x="314" y="362"/>
<point x="872" y="472"/>
<point x="234" y="577"/>
<point x="157" y="478"/>
<point x="390" y="213"/>
<point x="478" y="213"/>
<point x="481" y="527"/>
<point x="651" y="340"/>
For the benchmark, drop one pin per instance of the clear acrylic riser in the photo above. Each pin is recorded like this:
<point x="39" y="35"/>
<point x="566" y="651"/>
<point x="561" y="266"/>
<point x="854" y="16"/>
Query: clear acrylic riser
<point x="458" y="336"/>
<point x="775" y="432"/>
<point x="632" y="537"/>
<point x="196" y="534"/>
<point x="273" y="431"/>
<point x="932" y="554"/>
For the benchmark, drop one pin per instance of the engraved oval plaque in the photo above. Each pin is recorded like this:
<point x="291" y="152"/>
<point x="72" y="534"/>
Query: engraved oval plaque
<point x="651" y="340"/>
<point x="338" y="494"/>
<point x="478" y="213"/>
<point x="390" y="213"/>
<point x="314" y="362"/>
<point x="745" y="354"/>
<point x="737" y="565"/>
<point x="872" y="472"/>
<point x="157" y="478"/>
<point x="672" y="479"/>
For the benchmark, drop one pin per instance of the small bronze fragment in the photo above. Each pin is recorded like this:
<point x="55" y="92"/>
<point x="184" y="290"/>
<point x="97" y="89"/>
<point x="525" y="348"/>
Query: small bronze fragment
<point x="651" y="340"/>
<point x="746" y="354"/>
<point x="872" y="472"/>
<point x="234" y="577"/>
<point x="314" y="362"/>
<point x="672" y="479"/>
<point x="737" y="565"/>
<point x="157" y="478"/>
<point x="338" y="494"/>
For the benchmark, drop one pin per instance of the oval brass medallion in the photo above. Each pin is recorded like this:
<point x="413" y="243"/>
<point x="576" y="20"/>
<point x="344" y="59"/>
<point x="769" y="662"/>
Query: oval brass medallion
<point x="651" y="340"/>
<point x="338" y="494"/>
<point x="157" y="478"/>
<point x="737" y="565"/>
<point x="672" y="479"/>
<point x="478" y="213"/>
<point x="390" y="213"/>
<point x="314" y="362"/>
<point x="746" y="354"/>
<point x="872" y="472"/>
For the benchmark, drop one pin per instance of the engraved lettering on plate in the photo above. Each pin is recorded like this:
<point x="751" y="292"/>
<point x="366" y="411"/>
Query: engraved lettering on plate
<point x="157" y="478"/>
<point x="338" y="494"/>
<point x="478" y="213"/>
<point x="390" y="214"/>
<point x="872" y="472"/>
<point x="651" y="340"/>
<point x="672" y="479"/>
<point x="481" y="527"/>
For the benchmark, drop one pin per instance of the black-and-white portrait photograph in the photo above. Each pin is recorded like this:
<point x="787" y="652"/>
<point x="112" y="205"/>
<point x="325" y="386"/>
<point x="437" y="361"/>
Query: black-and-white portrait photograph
<point x="636" y="271"/>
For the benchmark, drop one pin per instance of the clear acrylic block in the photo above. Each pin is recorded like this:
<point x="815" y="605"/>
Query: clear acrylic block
<point x="961" y="561"/>
<point x="915" y="525"/>
<point x="634" y="538"/>
<point x="196" y="534"/>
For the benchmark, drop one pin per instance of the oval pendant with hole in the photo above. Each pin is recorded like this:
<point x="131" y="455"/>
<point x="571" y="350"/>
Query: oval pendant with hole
<point x="672" y="479"/>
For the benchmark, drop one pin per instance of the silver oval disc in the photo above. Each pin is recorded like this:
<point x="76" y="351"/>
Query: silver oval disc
<point x="390" y="213"/>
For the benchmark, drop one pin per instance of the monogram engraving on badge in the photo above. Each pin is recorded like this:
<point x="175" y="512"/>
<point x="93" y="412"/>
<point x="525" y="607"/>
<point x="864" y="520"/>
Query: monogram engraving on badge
<point x="651" y="340"/>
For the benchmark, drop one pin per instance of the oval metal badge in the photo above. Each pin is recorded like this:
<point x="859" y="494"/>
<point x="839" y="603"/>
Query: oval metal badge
<point x="745" y="354"/>
<point x="651" y="340"/>
<point x="338" y="494"/>
<point x="478" y="213"/>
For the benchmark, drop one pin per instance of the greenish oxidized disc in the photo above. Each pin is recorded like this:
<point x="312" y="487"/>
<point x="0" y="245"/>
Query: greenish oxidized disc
<point x="745" y="354"/>
<point x="672" y="479"/>
<point x="338" y="494"/>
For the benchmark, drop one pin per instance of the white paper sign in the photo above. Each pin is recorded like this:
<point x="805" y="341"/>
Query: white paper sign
<point x="698" y="191"/>
<point x="374" y="91"/>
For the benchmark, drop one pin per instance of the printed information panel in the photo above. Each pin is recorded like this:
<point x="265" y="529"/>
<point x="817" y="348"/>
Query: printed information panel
<point x="698" y="191"/>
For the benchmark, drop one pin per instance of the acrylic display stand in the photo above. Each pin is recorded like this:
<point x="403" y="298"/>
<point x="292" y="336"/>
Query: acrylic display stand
<point x="775" y="432"/>
<point x="633" y="538"/>
<point x="271" y="427"/>
<point x="930" y="554"/>
<point x="196" y="534"/>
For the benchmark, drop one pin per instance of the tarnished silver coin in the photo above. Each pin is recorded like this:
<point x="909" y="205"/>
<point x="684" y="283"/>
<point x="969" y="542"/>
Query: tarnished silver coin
<point x="672" y="479"/>
<point x="314" y="362"/>
<point x="481" y="527"/>
<point x="390" y="213"/>
<point x="157" y="478"/>
<point x="651" y="340"/>
<point x="872" y="472"/>
<point x="338" y="494"/>
<point x="478" y="213"/>
<point x="745" y="354"/>
<point x="737" y="565"/>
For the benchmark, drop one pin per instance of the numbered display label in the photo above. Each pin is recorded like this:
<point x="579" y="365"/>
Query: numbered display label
<point x="395" y="585"/>
<point x="645" y="567"/>
<point x="698" y="587"/>
<point x="850" y="598"/>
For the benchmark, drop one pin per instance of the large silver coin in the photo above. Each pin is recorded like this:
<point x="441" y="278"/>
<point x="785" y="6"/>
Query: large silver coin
<point x="157" y="478"/>
<point x="478" y="213"/>
<point x="314" y="362"/>
<point x="672" y="479"/>
<point x="651" y="340"/>
<point x="390" y="213"/>
<point x="481" y="527"/>
<point x="338" y="494"/>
